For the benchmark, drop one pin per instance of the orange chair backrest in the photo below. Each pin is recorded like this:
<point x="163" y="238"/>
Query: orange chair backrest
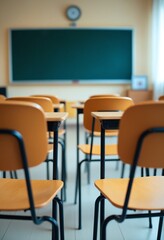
<point x="103" y="104"/>
<point x="134" y="121"/>
<point x="105" y="95"/>
<point x="53" y="98"/>
<point x="29" y="120"/>
<point x="2" y="98"/>
<point x="44" y="102"/>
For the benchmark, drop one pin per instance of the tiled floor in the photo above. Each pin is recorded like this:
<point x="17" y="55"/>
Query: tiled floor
<point x="129" y="230"/>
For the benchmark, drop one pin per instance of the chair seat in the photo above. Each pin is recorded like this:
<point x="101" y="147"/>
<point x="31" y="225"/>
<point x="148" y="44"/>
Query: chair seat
<point x="147" y="192"/>
<point x="108" y="133"/>
<point x="96" y="150"/>
<point x="14" y="193"/>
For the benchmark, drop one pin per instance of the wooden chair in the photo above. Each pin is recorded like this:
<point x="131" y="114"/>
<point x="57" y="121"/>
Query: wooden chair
<point x="53" y="98"/>
<point x="113" y="133"/>
<point x="140" y="144"/>
<point x="62" y="131"/>
<point x="96" y="134"/>
<point x="47" y="106"/>
<point x="12" y="174"/>
<point x="90" y="149"/>
<point x="44" y="102"/>
<point x="23" y="128"/>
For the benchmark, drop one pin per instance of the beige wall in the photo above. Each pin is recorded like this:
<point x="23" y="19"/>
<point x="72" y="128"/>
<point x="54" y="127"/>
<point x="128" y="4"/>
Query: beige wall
<point x="95" y="13"/>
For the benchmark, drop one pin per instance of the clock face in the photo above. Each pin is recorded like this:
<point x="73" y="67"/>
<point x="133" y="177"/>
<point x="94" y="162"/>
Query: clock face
<point x="73" y="12"/>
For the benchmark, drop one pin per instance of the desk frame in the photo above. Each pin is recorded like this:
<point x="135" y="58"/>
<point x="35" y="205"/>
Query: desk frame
<point x="107" y="123"/>
<point x="53" y="122"/>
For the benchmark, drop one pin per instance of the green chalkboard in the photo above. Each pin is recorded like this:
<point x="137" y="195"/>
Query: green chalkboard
<point x="73" y="54"/>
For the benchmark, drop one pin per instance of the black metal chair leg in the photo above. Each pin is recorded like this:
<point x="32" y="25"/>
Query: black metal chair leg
<point x="104" y="225"/>
<point x="55" y="232"/>
<point x="79" y="188"/>
<point x="15" y="175"/>
<point x="11" y="174"/>
<point x="96" y="211"/>
<point x="160" y="228"/>
<point x="155" y="172"/>
<point x="55" y="229"/>
<point x="48" y="169"/>
<point x="80" y="194"/>
<point x="63" y="170"/>
<point x="88" y="172"/>
<point x="76" y="185"/>
<point x="150" y="221"/>
<point x="122" y="170"/>
<point x="103" y="231"/>
<point x="61" y="216"/>
<point x="77" y="178"/>
<point x="87" y="165"/>
<point x="142" y="172"/>
<point x="4" y="174"/>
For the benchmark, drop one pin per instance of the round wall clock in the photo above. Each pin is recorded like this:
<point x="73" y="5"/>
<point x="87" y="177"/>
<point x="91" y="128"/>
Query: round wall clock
<point x="73" y="12"/>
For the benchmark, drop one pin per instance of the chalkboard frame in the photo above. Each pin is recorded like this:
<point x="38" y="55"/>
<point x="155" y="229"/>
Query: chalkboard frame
<point x="69" y="80"/>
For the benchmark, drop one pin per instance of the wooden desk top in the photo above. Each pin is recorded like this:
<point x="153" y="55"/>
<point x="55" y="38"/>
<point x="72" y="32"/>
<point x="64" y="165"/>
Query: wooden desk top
<point x="58" y="106"/>
<point x="107" y="115"/>
<point x="56" y="116"/>
<point x="62" y="100"/>
<point x="78" y="106"/>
